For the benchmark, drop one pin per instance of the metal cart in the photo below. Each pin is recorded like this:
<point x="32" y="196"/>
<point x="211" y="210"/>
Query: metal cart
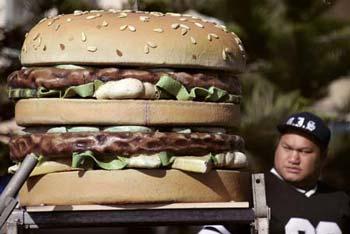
<point x="23" y="219"/>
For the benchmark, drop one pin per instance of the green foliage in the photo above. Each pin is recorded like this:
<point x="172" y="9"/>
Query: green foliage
<point x="336" y="170"/>
<point x="264" y="105"/>
<point x="263" y="99"/>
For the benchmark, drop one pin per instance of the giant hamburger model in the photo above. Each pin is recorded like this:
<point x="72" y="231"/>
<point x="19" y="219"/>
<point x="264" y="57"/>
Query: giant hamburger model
<point x="129" y="107"/>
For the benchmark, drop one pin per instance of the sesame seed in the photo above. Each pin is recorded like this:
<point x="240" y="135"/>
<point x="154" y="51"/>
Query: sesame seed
<point x="151" y="44"/>
<point x="183" y="19"/>
<point x="69" y="20"/>
<point x="94" y="11"/>
<point x="195" y="17"/>
<point x="51" y="22"/>
<point x="132" y="28"/>
<point x="227" y="50"/>
<point x="78" y="12"/>
<point x="42" y="20"/>
<point x="238" y="40"/>
<point x="57" y="27"/>
<point x="184" y="31"/>
<point x="175" y="26"/>
<point x="209" y="37"/>
<point x="26" y="35"/>
<point x="127" y="11"/>
<point x="93" y="16"/>
<point x="173" y="14"/>
<point x="123" y="27"/>
<point x="146" y="49"/>
<point x="122" y="15"/>
<point x="112" y="10"/>
<point x="199" y="25"/>
<point x="144" y="18"/>
<point x="222" y="27"/>
<point x="39" y="42"/>
<point x="36" y="36"/>
<point x="62" y="46"/>
<point x="104" y="24"/>
<point x="155" y="13"/>
<point x="204" y="20"/>
<point x="193" y="40"/>
<point x="241" y="47"/>
<point x="184" y="26"/>
<point x="224" y="56"/>
<point x="159" y="30"/>
<point x="92" y="48"/>
<point x="56" y="17"/>
<point x="83" y="36"/>
<point x="214" y="35"/>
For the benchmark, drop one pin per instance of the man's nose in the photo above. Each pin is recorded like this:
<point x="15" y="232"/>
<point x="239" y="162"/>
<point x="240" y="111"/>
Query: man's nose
<point x="294" y="157"/>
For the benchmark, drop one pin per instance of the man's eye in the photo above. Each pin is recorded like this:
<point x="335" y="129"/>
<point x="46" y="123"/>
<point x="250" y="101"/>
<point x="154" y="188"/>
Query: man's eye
<point x="286" y="147"/>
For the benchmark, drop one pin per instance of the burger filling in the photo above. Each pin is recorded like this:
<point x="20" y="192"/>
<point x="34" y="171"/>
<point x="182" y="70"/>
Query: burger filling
<point x="119" y="147"/>
<point x="123" y="83"/>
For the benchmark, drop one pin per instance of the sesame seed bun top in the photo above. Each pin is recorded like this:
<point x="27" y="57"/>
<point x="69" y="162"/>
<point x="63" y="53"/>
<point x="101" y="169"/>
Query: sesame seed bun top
<point x="132" y="38"/>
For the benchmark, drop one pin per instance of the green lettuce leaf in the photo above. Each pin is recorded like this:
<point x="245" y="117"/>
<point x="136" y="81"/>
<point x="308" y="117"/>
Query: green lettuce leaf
<point x="168" y="87"/>
<point x="80" y="159"/>
<point x="171" y="88"/>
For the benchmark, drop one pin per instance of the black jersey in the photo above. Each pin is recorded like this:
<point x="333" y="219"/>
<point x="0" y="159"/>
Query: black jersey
<point x="326" y="211"/>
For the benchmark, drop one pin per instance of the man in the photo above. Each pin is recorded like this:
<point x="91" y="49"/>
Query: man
<point x="299" y="202"/>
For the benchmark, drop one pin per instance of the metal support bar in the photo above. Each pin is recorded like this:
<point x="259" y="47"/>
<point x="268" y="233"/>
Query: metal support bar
<point x="15" y="223"/>
<point x="8" y="199"/>
<point x="261" y="210"/>
<point x="153" y="217"/>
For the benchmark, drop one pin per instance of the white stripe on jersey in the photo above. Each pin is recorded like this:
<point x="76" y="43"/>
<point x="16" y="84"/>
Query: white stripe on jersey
<point x="214" y="229"/>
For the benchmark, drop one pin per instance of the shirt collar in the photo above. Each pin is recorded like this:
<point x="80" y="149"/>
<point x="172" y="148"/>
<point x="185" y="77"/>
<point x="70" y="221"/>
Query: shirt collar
<point x="307" y="193"/>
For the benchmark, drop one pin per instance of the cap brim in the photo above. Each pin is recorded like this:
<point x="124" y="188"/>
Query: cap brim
<point x="283" y="128"/>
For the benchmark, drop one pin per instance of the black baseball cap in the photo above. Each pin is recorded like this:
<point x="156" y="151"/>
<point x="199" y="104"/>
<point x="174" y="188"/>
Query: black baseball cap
<point x="309" y="124"/>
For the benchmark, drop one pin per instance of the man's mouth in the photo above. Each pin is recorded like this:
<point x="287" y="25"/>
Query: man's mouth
<point x="293" y="170"/>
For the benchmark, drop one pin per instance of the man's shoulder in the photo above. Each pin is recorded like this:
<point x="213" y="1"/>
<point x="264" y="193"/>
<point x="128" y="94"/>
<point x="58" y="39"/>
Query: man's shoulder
<point x="325" y="189"/>
<point x="272" y="182"/>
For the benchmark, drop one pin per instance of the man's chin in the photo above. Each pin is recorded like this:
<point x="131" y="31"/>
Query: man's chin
<point x="293" y="178"/>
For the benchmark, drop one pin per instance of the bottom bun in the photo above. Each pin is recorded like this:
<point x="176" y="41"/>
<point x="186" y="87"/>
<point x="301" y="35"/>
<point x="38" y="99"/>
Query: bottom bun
<point x="134" y="186"/>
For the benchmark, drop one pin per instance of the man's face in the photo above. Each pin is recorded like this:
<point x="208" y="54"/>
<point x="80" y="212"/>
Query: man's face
<point x="298" y="160"/>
